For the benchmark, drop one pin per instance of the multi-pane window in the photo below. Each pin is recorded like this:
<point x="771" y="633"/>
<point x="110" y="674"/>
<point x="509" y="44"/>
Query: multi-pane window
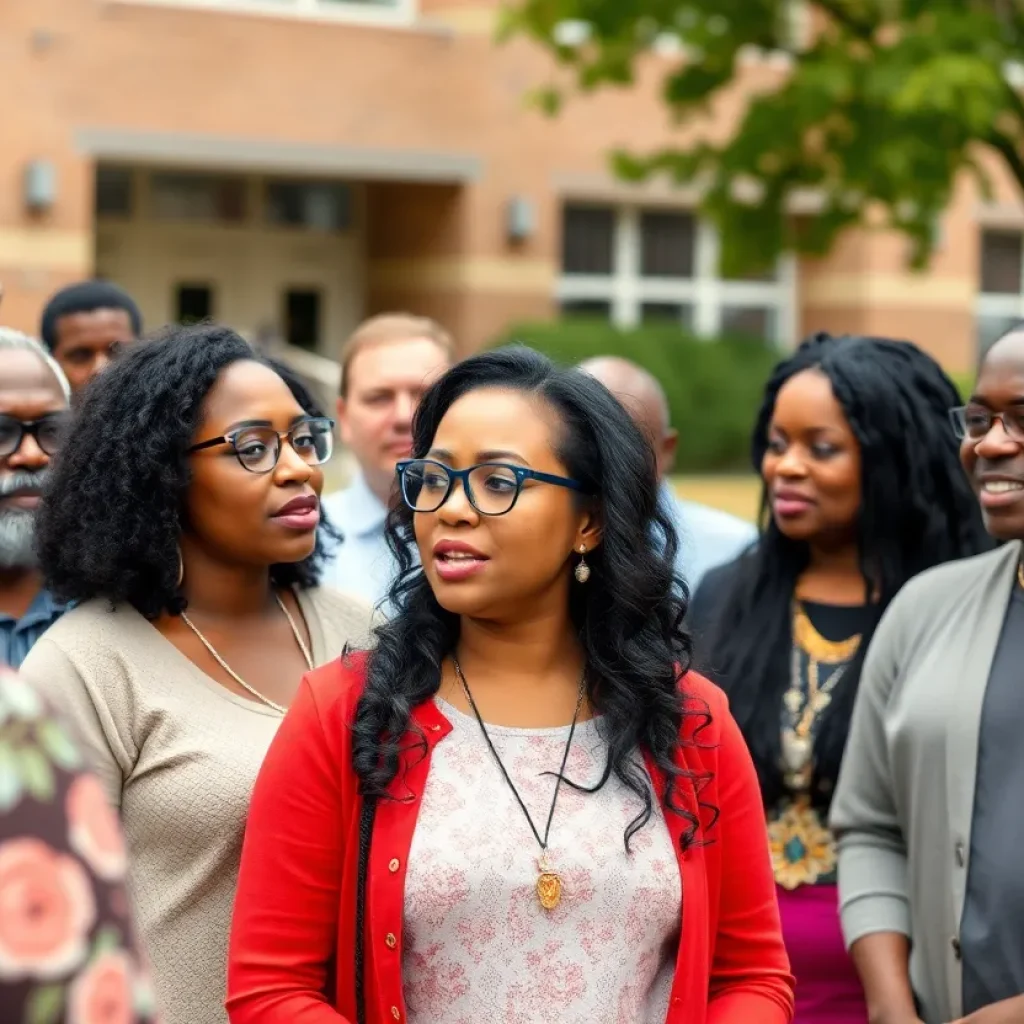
<point x="660" y="265"/>
<point x="189" y="196"/>
<point x="315" y="205"/>
<point x="1000" y="303"/>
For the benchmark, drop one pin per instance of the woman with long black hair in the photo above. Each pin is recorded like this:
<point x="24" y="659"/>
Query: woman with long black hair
<point x="862" y="491"/>
<point x="521" y="805"/>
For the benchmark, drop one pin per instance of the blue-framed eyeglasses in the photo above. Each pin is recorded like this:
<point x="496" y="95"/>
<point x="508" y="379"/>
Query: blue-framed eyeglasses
<point x="492" y="488"/>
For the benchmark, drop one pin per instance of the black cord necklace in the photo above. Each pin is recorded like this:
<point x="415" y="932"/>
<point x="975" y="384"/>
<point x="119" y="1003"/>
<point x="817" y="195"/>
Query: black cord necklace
<point x="549" y="883"/>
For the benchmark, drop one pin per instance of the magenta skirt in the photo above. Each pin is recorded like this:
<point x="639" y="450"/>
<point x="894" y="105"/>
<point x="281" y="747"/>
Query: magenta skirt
<point x="827" y="987"/>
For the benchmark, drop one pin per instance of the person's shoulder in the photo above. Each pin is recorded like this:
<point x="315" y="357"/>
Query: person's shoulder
<point x="941" y="583"/>
<point x="702" y="697"/>
<point x="337" y="686"/>
<point x="331" y="602"/>
<point x="91" y="623"/>
<point x="345" y="619"/>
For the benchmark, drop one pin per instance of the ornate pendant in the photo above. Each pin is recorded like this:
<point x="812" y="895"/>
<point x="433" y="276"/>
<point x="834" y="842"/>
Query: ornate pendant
<point x="549" y="884"/>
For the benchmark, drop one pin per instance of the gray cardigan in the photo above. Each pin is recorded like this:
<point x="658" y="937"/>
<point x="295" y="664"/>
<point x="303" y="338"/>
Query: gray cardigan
<point x="904" y="802"/>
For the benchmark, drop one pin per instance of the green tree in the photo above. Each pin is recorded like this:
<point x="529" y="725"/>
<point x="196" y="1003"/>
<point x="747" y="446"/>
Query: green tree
<point x="881" y="109"/>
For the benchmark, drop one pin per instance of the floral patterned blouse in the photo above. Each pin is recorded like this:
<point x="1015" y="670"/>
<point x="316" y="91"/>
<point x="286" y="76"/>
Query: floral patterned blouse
<point x="67" y="951"/>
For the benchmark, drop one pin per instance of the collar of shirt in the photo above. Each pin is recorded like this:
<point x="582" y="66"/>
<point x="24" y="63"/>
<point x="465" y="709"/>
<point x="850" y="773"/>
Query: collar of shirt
<point x="364" y="512"/>
<point x="44" y="608"/>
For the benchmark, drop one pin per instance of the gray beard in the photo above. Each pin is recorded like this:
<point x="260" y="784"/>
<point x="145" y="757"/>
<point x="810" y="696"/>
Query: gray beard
<point x="18" y="525"/>
<point x="17" y="539"/>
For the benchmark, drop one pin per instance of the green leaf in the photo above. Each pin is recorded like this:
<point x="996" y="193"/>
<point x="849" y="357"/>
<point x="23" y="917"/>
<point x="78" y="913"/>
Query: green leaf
<point x="885" y="102"/>
<point x="108" y="939"/>
<point x="10" y="778"/>
<point x="36" y="773"/>
<point x="58" y="744"/>
<point x="45" y="1005"/>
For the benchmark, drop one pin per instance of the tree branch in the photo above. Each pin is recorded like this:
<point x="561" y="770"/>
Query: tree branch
<point x="835" y="10"/>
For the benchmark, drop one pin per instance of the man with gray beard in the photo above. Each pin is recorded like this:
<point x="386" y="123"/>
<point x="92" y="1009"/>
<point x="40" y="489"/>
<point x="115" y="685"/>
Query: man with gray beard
<point x="34" y="396"/>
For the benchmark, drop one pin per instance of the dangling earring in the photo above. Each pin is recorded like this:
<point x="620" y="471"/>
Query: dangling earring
<point x="582" y="572"/>
<point x="181" y="568"/>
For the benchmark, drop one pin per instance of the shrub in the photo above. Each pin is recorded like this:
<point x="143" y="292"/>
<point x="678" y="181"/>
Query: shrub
<point x="714" y="387"/>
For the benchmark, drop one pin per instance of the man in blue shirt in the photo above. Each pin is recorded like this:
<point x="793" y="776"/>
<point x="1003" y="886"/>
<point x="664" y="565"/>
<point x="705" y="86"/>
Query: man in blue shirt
<point x="707" y="536"/>
<point x="34" y="395"/>
<point x="386" y="365"/>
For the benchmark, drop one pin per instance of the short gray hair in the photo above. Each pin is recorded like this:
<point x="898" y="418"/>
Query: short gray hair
<point x="12" y="339"/>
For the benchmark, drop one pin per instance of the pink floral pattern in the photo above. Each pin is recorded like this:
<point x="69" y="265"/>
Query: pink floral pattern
<point x="67" y="953"/>
<point x="93" y="829"/>
<point x="47" y="910"/>
<point x="478" y="945"/>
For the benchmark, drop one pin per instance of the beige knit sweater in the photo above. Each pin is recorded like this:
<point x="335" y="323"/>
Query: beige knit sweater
<point x="178" y="753"/>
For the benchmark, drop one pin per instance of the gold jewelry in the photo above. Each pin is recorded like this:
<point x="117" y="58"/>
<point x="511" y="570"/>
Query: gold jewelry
<point x="582" y="572"/>
<point x="814" y="645"/>
<point x="181" y="568"/>
<point x="1020" y="574"/>
<point x="234" y="675"/>
<point x="803" y="708"/>
<point x="549" y="882"/>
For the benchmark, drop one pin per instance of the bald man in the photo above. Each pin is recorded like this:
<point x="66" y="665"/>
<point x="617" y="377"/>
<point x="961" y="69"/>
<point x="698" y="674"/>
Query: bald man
<point x="707" y="537"/>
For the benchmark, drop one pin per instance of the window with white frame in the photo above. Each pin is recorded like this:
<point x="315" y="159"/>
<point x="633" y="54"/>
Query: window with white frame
<point x="1000" y="302"/>
<point x="637" y="265"/>
<point x="386" y="12"/>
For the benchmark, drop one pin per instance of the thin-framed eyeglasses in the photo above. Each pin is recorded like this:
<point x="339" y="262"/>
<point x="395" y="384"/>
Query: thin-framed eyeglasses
<point x="975" y="421"/>
<point x="48" y="432"/>
<point x="492" y="488"/>
<point x="258" y="447"/>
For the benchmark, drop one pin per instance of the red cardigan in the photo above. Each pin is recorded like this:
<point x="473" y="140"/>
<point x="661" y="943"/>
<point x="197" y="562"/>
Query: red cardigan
<point x="292" y="939"/>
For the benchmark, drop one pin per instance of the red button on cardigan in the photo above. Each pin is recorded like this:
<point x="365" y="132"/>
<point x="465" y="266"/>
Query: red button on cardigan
<point x="293" y="936"/>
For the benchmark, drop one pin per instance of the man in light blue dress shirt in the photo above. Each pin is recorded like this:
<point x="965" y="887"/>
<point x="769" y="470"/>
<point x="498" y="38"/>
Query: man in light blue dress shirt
<point x="707" y="536"/>
<point x="386" y="365"/>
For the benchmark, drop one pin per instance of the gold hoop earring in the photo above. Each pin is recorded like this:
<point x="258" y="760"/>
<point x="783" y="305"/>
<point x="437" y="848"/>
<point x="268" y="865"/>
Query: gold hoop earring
<point x="181" y="568"/>
<point x="582" y="572"/>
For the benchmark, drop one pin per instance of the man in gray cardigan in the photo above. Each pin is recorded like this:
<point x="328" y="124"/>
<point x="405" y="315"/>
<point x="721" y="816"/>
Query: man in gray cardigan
<point x="929" y="809"/>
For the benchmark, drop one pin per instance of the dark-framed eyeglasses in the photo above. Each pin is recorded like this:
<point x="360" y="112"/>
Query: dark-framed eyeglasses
<point x="48" y="432"/>
<point x="492" y="488"/>
<point x="258" y="448"/>
<point x="975" y="421"/>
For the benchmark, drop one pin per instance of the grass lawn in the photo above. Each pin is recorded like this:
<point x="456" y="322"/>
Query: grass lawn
<point x="740" y="495"/>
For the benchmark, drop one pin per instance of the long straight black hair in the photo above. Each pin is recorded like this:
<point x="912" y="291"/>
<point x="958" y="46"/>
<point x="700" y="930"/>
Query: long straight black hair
<point x="917" y="510"/>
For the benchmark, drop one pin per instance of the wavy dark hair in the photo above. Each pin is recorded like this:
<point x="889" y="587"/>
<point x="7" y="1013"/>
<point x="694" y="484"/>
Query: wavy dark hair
<point x="628" y="617"/>
<point x="114" y="506"/>
<point x="917" y="510"/>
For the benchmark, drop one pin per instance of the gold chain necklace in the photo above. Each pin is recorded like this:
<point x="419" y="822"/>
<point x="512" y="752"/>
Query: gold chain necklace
<point x="803" y="707"/>
<point x="808" y="639"/>
<point x="280" y="709"/>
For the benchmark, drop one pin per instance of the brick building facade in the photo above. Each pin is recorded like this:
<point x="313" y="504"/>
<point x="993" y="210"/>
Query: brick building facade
<point x="292" y="165"/>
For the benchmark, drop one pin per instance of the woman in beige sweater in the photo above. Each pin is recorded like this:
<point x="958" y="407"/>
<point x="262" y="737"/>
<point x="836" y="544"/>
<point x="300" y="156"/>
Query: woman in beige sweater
<point x="183" y="520"/>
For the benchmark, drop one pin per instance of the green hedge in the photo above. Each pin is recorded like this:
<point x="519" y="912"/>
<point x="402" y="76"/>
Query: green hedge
<point x="964" y="383"/>
<point x="714" y="388"/>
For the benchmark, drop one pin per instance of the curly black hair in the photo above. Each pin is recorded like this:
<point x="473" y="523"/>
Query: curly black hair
<point x="917" y="510"/>
<point x="629" y="616"/>
<point x="113" y="509"/>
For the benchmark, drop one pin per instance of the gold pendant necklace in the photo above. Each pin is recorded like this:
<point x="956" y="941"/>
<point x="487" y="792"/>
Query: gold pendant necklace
<point x="549" y="881"/>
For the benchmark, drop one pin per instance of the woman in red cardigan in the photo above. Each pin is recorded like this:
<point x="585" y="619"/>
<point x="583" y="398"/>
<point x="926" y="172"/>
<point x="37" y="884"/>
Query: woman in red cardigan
<point x="521" y="806"/>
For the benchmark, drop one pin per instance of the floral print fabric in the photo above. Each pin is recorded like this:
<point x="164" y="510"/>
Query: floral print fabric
<point x="67" y="952"/>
